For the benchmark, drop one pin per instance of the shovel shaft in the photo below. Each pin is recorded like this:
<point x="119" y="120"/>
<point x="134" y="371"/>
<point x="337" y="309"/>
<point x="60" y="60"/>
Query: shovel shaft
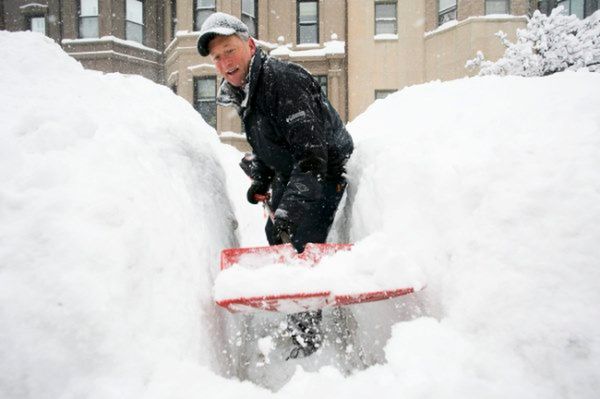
<point x="285" y="237"/>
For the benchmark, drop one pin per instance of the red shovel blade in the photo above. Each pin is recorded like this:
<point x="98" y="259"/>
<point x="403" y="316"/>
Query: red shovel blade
<point x="281" y="253"/>
<point x="300" y="301"/>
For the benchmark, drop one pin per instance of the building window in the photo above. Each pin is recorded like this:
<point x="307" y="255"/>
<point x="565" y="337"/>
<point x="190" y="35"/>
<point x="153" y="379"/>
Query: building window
<point x="497" y="7"/>
<point x="37" y="23"/>
<point x="573" y="7"/>
<point x="322" y="79"/>
<point x="307" y="21"/>
<point x="381" y="94"/>
<point x="591" y="6"/>
<point x="581" y="8"/>
<point x="385" y="17"/>
<point x="202" y="10"/>
<point x="134" y="24"/>
<point x="249" y="16"/>
<point x="173" y="18"/>
<point x="205" y="91"/>
<point x="544" y="6"/>
<point x="88" y="19"/>
<point x="446" y="11"/>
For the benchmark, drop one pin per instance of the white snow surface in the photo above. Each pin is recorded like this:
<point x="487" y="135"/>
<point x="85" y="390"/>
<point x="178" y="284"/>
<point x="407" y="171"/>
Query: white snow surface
<point x="308" y="50"/>
<point x="112" y="212"/>
<point x="111" y="39"/>
<point x="492" y="185"/>
<point x="114" y="206"/>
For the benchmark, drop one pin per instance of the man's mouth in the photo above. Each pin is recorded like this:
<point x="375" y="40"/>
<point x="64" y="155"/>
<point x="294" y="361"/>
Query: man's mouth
<point x="231" y="71"/>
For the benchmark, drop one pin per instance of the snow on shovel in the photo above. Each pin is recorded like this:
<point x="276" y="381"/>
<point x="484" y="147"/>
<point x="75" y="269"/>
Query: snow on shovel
<point x="277" y="278"/>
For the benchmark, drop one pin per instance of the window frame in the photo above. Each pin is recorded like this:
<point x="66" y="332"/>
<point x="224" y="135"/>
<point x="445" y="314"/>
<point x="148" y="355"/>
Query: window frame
<point x="569" y="7"/>
<point x="254" y="18"/>
<point x="323" y="79"/>
<point x="143" y="25"/>
<point x="196" y="27"/>
<point x="395" y="19"/>
<point x="589" y="7"/>
<point x="387" y="92"/>
<point x="298" y="24"/>
<point x="30" y="19"/>
<point x="80" y="18"/>
<point x="212" y="100"/>
<point x="543" y="6"/>
<point x="507" y="2"/>
<point x="447" y="11"/>
<point x="173" y="5"/>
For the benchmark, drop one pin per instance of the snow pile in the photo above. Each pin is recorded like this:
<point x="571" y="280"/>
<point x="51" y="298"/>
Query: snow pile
<point x="112" y="214"/>
<point x="497" y="196"/>
<point x="110" y="39"/>
<point x="490" y="17"/>
<point x="113" y="210"/>
<point x="331" y="47"/>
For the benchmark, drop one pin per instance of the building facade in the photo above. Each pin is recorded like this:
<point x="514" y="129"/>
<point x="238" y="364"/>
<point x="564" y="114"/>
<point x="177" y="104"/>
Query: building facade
<point x="311" y="33"/>
<point x="108" y="35"/>
<point x="405" y="42"/>
<point x="359" y="50"/>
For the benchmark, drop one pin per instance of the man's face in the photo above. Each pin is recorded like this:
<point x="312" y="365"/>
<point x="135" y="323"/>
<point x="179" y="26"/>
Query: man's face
<point x="231" y="56"/>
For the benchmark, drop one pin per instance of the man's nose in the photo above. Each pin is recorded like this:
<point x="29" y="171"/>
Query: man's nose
<point x="225" y="61"/>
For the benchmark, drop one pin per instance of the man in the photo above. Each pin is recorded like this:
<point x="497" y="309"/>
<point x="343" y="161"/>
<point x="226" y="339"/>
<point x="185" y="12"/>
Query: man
<point x="299" y="143"/>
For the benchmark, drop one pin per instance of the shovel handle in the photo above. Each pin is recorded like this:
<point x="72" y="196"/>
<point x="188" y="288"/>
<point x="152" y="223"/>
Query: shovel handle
<point x="285" y="237"/>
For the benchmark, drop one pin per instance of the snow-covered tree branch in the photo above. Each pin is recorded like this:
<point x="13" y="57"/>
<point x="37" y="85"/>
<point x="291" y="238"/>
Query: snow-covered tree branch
<point x="548" y="44"/>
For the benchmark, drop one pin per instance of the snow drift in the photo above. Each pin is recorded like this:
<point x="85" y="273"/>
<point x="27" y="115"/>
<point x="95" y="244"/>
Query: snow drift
<point x="112" y="211"/>
<point x="492" y="185"/>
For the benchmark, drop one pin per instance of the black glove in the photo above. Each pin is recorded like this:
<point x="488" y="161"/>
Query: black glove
<point x="256" y="188"/>
<point x="284" y="228"/>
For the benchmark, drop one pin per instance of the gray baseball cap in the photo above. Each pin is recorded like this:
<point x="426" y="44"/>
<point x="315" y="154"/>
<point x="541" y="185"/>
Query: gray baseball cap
<point x="221" y="24"/>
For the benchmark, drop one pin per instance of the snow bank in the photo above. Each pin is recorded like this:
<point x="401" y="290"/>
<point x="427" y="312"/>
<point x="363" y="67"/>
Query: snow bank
<point x="490" y="187"/>
<point x="112" y="213"/>
<point x="493" y="187"/>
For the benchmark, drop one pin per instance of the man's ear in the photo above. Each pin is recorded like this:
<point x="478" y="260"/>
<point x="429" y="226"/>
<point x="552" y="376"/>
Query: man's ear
<point x="252" y="45"/>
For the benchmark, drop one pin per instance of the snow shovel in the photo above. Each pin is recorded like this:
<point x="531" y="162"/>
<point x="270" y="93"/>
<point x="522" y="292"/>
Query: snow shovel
<point x="293" y="302"/>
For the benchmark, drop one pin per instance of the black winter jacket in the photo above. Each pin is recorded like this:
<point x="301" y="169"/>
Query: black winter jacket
<point x="294" y="131"/>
